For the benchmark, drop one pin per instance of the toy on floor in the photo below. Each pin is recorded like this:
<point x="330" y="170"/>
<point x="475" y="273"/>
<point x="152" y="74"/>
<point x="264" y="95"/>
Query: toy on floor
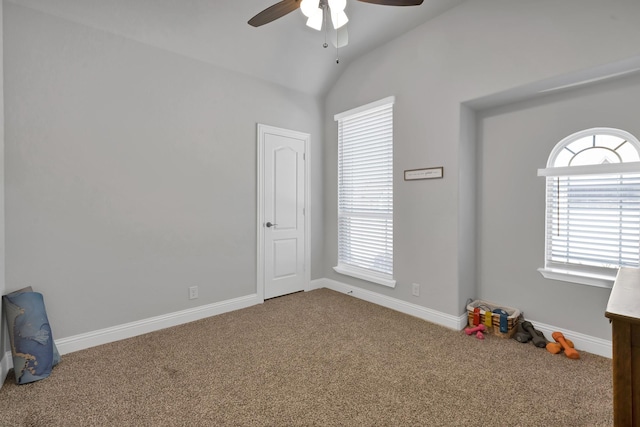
<point x="537" y="337"/>
<point x="488" y="318"/>
<point x="525" y="332"/>
<point x="476" y="316"/>
<point x="521" y="335"/>
<point x="504" y="319"/>
<point x="556" y="347"/>
<point x="569" y="351"/>
<point x="478" y="330"/>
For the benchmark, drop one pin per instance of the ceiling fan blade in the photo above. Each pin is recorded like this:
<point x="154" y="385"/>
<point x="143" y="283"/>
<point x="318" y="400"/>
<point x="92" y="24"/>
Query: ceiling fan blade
<point x="340" y="37"/>
<point x="394" y="2"/>
<point x="274" y="12"/>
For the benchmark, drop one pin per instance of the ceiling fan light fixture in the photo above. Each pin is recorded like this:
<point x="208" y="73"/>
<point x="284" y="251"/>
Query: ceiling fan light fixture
<point x="337" y="5"/>
<point x="309" y="8"/>
<point x="315" y="20"/>
<point x="340" y="38"/>
<point x="338" y="18"/>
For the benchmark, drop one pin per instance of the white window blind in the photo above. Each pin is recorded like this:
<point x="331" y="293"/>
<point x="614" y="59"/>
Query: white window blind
<point x="365" y="192"/>
<point x="593" y="220"/>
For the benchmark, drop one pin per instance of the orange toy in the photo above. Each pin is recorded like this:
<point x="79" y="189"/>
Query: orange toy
<point x="568" y="351"/>
<point x="556" y="347"/>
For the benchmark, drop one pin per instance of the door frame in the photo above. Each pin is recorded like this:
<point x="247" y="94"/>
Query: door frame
<point x="262" y="130"/>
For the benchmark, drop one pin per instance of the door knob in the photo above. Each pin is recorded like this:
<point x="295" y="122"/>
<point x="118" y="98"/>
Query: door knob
<point x="269" y="225"/>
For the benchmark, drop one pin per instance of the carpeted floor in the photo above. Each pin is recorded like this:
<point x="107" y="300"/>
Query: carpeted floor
<point x="319" y="358"/>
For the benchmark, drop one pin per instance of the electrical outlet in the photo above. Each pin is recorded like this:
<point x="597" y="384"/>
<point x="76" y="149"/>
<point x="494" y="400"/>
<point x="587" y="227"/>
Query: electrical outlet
<point x="415" y="290"/>
<point x="193" y="292"/>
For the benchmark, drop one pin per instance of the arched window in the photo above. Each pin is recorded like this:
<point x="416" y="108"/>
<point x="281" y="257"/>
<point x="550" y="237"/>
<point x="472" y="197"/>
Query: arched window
<point x="592" y="206"/>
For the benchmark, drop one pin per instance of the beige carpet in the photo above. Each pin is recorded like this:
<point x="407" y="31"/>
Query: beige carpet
<point x="317" y="358"/>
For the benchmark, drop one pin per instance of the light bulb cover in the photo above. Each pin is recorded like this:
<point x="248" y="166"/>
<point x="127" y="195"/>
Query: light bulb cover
<point x="315" y="20"/>
<point x="338" y="19"/>
<point x="309" y="7"/>
<point x="337" y="5"/>
<point x="340" y="38"/>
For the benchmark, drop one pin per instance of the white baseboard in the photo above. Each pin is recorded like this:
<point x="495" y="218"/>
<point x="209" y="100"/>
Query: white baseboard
<point x="582" y="342"/>
<point x="433" y="316"/>
<point x="128" y="330"/>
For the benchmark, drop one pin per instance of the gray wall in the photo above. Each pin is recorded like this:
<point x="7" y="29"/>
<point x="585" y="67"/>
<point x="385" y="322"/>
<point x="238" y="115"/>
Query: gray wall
<point x="131" y="173"/>
<point x="478" y="49"/>
<point x="515" y="141"/>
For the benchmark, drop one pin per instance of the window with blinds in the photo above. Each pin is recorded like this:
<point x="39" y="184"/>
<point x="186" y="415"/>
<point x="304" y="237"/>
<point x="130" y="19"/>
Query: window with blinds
<point x="365" y="192"/>
<point x="593" y="205"/>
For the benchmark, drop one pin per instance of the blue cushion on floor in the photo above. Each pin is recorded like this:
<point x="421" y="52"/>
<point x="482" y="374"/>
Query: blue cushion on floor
<point x="32" y="347"/>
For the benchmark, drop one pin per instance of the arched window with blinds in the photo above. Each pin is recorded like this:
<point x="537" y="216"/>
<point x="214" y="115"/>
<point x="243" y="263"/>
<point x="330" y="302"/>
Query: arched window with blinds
<point x="592" y="206"/>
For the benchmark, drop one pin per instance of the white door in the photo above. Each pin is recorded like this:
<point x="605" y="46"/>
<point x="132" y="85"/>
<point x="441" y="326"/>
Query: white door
<point x="282" y="220"/>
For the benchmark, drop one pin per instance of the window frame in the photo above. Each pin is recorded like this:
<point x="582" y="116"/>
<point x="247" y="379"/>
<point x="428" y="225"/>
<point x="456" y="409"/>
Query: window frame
<point x="343" y="267"/>
<point x="573" y="272"/>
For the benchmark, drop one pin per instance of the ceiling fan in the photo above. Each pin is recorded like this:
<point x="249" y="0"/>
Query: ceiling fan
<point x="317" y="11"/>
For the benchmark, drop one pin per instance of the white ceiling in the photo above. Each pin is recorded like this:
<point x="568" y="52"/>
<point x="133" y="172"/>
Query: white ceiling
<point x="284" y="52"/>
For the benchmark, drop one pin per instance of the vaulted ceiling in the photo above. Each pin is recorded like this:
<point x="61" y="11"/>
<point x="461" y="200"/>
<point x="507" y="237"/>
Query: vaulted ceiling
<point x="285" y="52"/>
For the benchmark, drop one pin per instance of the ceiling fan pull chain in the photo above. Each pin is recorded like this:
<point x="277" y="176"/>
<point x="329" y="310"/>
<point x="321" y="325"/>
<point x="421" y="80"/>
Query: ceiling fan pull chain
<point x="326" y="28"/>
<point x="337" y="48"/>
